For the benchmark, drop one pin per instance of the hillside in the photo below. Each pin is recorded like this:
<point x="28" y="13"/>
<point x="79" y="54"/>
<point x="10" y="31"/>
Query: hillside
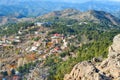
<point x="11" y="20"/>
<point x="91" y="15"/>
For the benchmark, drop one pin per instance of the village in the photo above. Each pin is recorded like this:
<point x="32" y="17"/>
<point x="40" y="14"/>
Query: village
<point x="31" y="45"/>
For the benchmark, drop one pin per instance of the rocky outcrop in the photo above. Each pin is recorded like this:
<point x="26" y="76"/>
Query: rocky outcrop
<point x="114" y="49"/>
<point x="108" y="69"/>
<point x="111" y="66"/>
<point x="85" y="71"/>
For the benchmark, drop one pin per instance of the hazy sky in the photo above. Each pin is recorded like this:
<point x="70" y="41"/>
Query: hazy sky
<point x="70" y="1"/>
<point x="79" y="1"/>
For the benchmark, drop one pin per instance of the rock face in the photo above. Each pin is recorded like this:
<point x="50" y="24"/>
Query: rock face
<point x="85" y="71"/>
<point x="114" y="49"/>
<point x="111" y="65"/>
<point x="108" y="69"/>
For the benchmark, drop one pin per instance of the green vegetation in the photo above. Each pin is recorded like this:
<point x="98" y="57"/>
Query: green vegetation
<point x="26" y="68"/>
<point x="9" y="29"/>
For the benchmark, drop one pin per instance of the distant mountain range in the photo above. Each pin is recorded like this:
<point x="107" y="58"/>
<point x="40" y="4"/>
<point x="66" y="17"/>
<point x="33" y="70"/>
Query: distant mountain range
<point x="33" y="8"/>
<point x="25" y="8"/>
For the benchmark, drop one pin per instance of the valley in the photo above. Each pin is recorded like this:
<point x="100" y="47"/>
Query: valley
<point x="59" y="40"/>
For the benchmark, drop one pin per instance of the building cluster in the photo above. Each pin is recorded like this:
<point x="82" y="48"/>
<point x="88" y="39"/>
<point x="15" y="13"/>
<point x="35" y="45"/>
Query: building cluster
<point x="36" y="44"/>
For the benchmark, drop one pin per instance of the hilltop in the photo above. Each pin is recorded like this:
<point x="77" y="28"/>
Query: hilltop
<point x="90" y="15"/>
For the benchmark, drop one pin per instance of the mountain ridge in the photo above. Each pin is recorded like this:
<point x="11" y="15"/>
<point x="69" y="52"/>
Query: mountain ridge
<point x="90" y="15"/>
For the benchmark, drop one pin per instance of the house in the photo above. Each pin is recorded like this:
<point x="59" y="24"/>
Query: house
<point x="27" y="49"/>
<point x="56" y="49"/>
<point x="68" y="25"/>
<point x="36" y="32"/>
<point x="34" y="48"/>
<point x="17" y="72"/>
<point x="8" y="42"/>
<point x="65" y="58"/>
<point x="56" y="35"/>
<point x="38" y="24"/>
<point x="64" y="44"/>
<point x="40" y="59"/>
<point x="44" y="43"/>
<point x="40" y="52"/>
<point x="55" y="38"/>
<point x="1" y="42"/>
<point x="17" y="40"/>
<point x="43" y="24"/>
<point x="20" y="32"/>
<point x="37" y="44"/>
<point x="83" y="23"/>
<point x="45" y="56"/>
